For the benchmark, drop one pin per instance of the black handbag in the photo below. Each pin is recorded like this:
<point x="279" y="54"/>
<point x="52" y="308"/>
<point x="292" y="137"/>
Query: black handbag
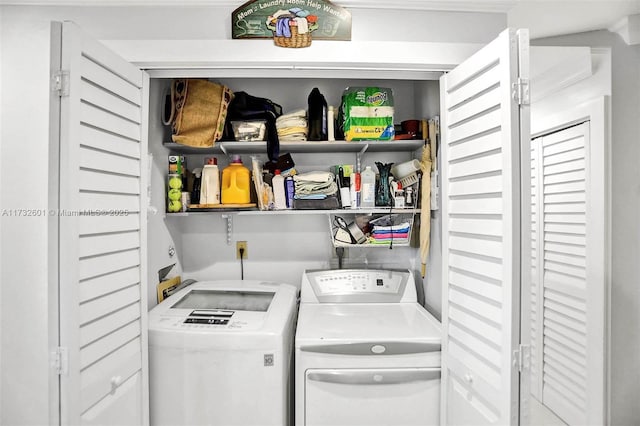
<point x="247" y="107"/>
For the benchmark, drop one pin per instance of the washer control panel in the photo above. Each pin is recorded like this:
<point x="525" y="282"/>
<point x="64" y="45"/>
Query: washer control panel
<point x="356" y="285"/>
<point x="358" y="282"/>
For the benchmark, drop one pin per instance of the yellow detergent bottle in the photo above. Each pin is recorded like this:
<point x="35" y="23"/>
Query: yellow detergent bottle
<point x="236" y="181"/>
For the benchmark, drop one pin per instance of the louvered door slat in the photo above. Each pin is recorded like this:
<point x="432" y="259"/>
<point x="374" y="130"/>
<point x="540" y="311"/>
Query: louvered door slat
<point x="481" y="201"/>
<point x="107" y="324"/>
<point x="487" y="75"/>
<point x="476" y="186"/>
<point x="96" y="266"/>
<point x="109" y="142"/>
<point x="480" y="267"/>
<point x="93" y="245"/>
<point x="108" y="283"/>
<point x="479" y="226"/>
<point x="109" y="162"/>
<point x="105" y="346"/>
<point x="96" y="224"/>
<point x="111" y="76"/>
<point x="101" y="98"/>
<point x="97" y="180"/>
<point x="97" y="308"/>
<point x="103" y="235"/>
<point x="105" y="201"/>
<point x="578" y="175"/>
<point x="95" y="117"/>
<point x="478" y="106"/>
<point x="469" y="320"/>
<point x="479" y="145"/>
<point x="475" y="284"/>
<point x="488" y="163"/>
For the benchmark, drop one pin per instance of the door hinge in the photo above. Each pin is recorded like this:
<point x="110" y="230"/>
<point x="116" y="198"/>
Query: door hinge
<point x="522" y="358"/>
<point x="60" y="82"/>
<point x="60" y="361"/>
<point x="520" y="91"/>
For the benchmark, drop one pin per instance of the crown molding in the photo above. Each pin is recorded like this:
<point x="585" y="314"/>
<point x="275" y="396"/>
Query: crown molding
<point x="628" y="28"/>
<point x="488" y="6"/>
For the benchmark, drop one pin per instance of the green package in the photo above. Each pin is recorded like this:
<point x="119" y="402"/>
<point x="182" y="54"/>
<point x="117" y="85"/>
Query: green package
<point x="367" y="113"/>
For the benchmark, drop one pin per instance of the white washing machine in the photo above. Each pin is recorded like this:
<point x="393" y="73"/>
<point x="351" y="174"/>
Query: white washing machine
<point x="366" y="352"/>
<point x="221" y="352"/>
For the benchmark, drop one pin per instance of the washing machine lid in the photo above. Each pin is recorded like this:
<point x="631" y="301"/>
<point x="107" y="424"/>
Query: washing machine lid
<point x="331" y="324"/>
<point x="219" y="306"/>
<point x="225" y="300"/>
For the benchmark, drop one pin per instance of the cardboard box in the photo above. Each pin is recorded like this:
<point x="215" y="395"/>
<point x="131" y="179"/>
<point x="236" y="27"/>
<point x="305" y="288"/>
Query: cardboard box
<point x="173" y="163"/>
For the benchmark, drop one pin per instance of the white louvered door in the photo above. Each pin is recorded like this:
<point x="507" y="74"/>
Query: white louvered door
<point x="102" y="228"/>
<point x="481" y="206"/>
<point x="567" y="328"/>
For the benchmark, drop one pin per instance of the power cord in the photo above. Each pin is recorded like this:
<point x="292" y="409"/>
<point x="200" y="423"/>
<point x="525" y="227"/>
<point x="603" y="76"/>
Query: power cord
<point x="241" y="263"/>
<point x="340" y="253"/>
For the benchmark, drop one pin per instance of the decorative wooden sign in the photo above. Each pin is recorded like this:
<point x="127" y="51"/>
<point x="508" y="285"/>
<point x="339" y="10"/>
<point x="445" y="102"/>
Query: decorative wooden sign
<point x="270" y="18"/>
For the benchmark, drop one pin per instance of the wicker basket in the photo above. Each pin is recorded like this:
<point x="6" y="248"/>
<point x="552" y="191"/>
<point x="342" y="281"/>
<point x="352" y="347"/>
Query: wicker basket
<point x="296" y="40"/>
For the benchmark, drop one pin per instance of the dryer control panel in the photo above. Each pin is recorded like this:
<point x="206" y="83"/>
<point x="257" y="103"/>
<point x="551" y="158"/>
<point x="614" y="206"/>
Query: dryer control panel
<point x="358" y="286"/>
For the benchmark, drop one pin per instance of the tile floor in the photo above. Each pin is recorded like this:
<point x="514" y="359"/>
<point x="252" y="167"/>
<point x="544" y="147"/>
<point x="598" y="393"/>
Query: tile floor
<point x="540" y="415"/>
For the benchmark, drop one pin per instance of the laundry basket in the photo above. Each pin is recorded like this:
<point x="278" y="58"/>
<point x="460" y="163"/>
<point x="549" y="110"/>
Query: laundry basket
<point x="296" y="40"/>
<point x="292" y="28"/>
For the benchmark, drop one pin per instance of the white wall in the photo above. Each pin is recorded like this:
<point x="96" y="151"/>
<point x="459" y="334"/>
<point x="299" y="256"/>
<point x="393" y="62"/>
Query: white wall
<point x="1" y="208"/>
<point x="24" y="45"/>
<point x="625" y="207"/>
<point x="24" y="162"/>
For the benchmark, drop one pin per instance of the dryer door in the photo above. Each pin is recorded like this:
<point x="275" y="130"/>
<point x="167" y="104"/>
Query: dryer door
<point x="407" y="396"/>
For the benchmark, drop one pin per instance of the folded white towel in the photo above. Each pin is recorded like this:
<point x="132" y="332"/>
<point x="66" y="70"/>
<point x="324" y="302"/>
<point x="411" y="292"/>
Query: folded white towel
<point x="292" y="122"/>
<point x="317" y="176"/>
<point x="296" y="113"/>
<point x="295" y="137"/>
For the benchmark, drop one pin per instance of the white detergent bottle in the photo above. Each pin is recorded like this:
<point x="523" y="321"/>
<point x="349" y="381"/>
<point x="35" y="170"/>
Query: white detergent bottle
<point x="210" y="182"/>
<point x="368" y="196"/>
<point x="279" y="196"/>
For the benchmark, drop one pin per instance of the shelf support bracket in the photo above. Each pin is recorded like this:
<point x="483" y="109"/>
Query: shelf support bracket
<point x="229" y="219"/>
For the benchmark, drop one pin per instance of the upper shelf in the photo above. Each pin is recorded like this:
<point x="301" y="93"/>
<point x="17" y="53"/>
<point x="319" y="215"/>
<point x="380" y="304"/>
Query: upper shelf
<point x="234" y="147"/>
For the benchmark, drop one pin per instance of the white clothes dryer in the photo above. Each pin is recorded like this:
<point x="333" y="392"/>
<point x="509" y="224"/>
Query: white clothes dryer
<point x="221" y="352"/>
<point x="366" y="352"/>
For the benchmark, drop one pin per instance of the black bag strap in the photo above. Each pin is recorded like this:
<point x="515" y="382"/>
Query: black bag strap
<point x="248" y="107"/>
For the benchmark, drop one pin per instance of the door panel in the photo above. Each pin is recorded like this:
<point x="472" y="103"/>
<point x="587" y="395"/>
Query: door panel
<point x="482" y="200"/>
<point x="102" y="249"/>
<point x="370" y="397"/>
<point x="567" y="325"/>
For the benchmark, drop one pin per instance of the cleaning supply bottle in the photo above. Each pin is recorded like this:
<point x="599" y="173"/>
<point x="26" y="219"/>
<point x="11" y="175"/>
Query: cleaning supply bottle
<point x="289" y="191"/>
<point x="279" y="196"/>
<point x="197" y="185"/>
<point x="236" y="181"/>
<point x="210" y="182"/>
<point x="317" y="116"/>
<point x="331" y="134"/>
<point x="368" y="178"/>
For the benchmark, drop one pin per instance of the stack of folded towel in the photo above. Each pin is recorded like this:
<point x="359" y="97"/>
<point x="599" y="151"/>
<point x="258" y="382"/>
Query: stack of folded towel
<point x="386" y="234"/>
<point x="293" y="126"/>
<point x="314" y="185"/>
